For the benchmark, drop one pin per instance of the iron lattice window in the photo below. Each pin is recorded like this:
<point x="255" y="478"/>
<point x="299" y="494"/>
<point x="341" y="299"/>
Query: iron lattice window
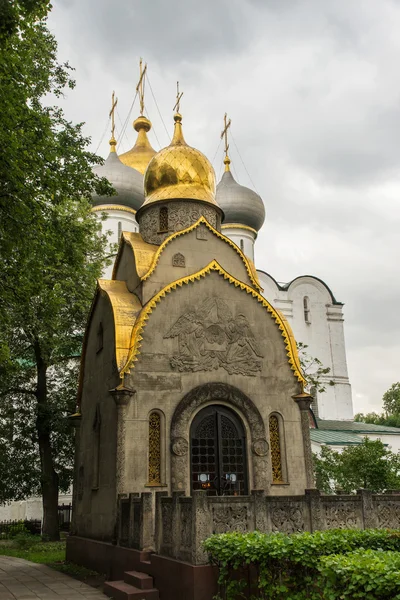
<point x="276" y="453"/>
<point x="163" y="219"/>
<point x="155" y="448"/>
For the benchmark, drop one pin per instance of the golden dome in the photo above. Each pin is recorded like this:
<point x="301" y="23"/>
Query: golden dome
<point x="141" y="154"/>
<point x="179" y="172"/>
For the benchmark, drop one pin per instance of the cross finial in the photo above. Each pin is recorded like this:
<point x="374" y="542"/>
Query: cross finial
<point x="224" y="134"/>
<point x="114" y="102"/>
<point x="178" y="98"/>
<point x="140" y="85"/>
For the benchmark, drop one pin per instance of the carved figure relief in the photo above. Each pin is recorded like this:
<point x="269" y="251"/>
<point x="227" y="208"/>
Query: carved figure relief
<point x="179" y="446"/>
<point x="178" y="260"/>
<point x="210" y="337"/>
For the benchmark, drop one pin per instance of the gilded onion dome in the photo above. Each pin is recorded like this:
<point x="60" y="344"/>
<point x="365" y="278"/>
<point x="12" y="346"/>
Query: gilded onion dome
<point x="241" y="205"/>
<point x="127" y="182"/>
<point x="142" y="152"/>
<point x="179" y="172"/>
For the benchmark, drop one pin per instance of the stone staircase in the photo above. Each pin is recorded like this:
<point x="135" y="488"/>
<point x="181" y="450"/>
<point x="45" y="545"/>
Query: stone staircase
<point x="134" y="586"/>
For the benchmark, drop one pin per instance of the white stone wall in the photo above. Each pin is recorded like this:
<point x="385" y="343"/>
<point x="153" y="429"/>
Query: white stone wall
<point x="116" y="222"/>
<point x="323" y="334"/>
<point x="244" y="238"/>
<point x="28" y="509"/>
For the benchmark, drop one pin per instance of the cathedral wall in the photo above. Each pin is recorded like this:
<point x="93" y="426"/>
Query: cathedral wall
<point x="126" y="270"/>
<point x="116" y="222"/>
<point x="94" y="491"/>
<point x="164" y="375"/>
<point x="243" y="238"/>
<point x="321" y="329"/>
<point x="190" y="253"/>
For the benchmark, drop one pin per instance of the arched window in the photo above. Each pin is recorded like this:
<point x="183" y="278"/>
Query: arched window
<point x="276" y="449"/>
<point x="155" y="448"/>
<point x="242" y="245"/>
<point x="306" y="307"/>
<point x="163" y="219"/>
<point x="119" y="230"/>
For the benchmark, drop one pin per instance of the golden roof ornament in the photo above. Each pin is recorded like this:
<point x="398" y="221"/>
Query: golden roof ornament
<point x="179" y="171"/>
<point x="113" y="141"/>
<point x="142" y="152"/>
<point x="224" y="134"/>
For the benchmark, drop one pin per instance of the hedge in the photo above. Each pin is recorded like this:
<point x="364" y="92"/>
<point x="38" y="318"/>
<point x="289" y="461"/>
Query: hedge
<point x="293" y="567"/>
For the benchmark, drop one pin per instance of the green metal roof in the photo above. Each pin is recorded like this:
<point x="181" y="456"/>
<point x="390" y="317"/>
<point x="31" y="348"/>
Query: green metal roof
<point x="334" y="438"/>
<point x="355" y="427"/>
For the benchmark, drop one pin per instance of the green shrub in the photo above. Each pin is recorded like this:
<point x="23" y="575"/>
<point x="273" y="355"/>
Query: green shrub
<point x="26" y="540"/>
<point x="366" y="574"/>
<point x="287" y="566"/>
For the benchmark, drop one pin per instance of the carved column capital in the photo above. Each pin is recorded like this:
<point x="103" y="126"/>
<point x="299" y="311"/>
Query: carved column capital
<point x="122" y="395"/>
<point x="303" y="400"/>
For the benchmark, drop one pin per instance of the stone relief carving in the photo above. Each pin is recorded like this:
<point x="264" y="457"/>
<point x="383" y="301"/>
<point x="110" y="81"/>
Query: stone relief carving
<point x="186" y="525"/>
<point x="178" y="260"/>
<point x="340" y="515"/>
<point x="210" y="337"/>
<point x="287" y="518"/>
<point x="212" y="392"/>
<point x="179" y="446"/>
<point x="202" y="233"/>
<point x="180" y="216"/>
<point x="230" y="518"/>
<point x="388" y="514"/>
<point x="260" y="447"/>
<point x="166" y="515"/>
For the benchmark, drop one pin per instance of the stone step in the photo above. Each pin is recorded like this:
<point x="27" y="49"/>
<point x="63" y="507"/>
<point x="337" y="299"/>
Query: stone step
<point x="139" y="580"/>
<point x="120" y="590"/>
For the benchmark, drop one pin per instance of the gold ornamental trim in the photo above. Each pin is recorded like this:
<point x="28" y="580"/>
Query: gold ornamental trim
<point x="221" y="236"/>
<point x="238" y="226"/>
<point x="143" y="317"/>
<point x="142" y="251"/>
<point x="105" y="207"/>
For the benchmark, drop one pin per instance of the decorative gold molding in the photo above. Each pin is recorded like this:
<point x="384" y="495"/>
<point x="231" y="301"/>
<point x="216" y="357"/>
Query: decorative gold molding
<point x="136" y="338"/>
<point x="106" y="207"/>
<point x="238" y="226"/>
<point x="142" y="252"/>
<point x="203" y="220"/>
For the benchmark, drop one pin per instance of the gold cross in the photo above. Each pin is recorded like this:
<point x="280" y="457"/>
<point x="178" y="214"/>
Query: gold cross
<point x="224" y="133"/>
<point x="140" y="85"/>
<point x="114" y="102"/>
<point x="178" y="98"/>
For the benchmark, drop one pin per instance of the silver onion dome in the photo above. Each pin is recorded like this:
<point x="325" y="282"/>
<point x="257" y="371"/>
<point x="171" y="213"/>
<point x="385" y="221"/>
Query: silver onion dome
<point x="240" y="204"/>
<point x="127" y="182"/>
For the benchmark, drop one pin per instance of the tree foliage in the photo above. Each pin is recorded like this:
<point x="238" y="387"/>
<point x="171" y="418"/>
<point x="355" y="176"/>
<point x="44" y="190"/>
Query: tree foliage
<point x="313" y="369"/>
<point x="51" y="253"/>
<point x="391" y="406"/>
<point x="369" y="465"/>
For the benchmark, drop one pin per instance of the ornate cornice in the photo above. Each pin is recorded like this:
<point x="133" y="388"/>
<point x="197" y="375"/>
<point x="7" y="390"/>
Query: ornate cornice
<point x="203" y="221"/>
<point x="239" y="226"/>
<point x="106" y="207"/>
<point x="143" y="317"/>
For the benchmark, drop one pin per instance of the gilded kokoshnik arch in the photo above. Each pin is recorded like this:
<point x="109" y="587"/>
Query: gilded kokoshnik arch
<point x="213" y="266"/>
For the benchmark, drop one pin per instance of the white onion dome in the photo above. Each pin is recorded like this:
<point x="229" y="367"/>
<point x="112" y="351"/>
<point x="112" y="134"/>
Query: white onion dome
<point x="127" y="182"/>
<point x="241" y="205"/>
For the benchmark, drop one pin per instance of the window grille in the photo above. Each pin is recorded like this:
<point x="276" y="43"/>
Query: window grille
<point x="276" y="454"/>
<point x="155" y="448"/>
<point x="163" y="219"/>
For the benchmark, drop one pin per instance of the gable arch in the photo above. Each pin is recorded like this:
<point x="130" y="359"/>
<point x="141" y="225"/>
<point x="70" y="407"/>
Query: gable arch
<point x="228" y="395"/>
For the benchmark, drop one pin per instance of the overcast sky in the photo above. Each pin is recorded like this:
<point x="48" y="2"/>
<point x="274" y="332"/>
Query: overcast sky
<point x="313" y="90"/>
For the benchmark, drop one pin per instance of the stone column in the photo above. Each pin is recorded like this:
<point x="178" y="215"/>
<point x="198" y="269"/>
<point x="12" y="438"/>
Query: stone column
<point x="317" y="521"/>
<point x="260" y="510"/>
<point x="304" y="402"/>
<point x="146" y="522"/>
<point x="75" y="421"/>
<point x="369" y="516"/>
<point x="201" y="526"/>
<point x="122" y="396"/>
<point x="176" y="523"/>
<point x="159" y="524"/>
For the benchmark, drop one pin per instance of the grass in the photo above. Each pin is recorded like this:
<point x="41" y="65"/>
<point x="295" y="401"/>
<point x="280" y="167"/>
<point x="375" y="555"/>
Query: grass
<point x="51" y="554"/>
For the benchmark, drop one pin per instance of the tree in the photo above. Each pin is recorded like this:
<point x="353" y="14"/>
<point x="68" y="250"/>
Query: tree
<point x="391" y="405"/>
<point x="313" y="369"/>
<point x="369" y="465"/>
<point x="51" y="253"/>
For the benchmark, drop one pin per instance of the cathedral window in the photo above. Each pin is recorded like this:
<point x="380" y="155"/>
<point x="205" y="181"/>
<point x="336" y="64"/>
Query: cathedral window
<point x="96" y="448"/>
<point x="119" y="230"/>
<point x="242" y="245"/>
<point x="100" y="337"/>
<point x="276" y="449"/>
<point x="155" y="448"/>
<point x="306" y="307"/>
<point x="163" y="219"/>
